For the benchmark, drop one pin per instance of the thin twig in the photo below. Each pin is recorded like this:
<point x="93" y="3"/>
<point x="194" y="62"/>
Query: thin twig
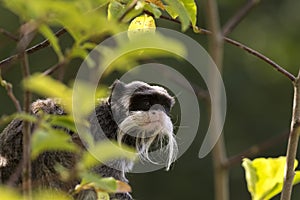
<point x="292" y="144"/>
<point x="9" y="89"/>
<point x="256" y="149"/>
<point x="239" y="16"/>
<point x="245" y="48"/>
<point x="32" y="49"/>
<point x="55" y="67"/>
<point x="9" y="34"/>
<point x="262" y="57"/>
<point x="221" y="174"/>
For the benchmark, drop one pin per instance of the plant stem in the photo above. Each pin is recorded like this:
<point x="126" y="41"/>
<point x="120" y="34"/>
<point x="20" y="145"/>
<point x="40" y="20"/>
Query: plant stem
<point x="292" y="143"/>
<point x="239" y="16"/>
<point x="26" y="177"/>
<point x="9" y="34"/>
<point x="243" y="47"/>
<point x="32" y="49"/>
<point x="219" y="151"/>
<point x="256" y="149"/>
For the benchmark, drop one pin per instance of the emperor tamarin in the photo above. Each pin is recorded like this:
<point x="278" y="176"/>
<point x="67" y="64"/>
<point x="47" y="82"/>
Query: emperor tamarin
<point x="135" y="114"/>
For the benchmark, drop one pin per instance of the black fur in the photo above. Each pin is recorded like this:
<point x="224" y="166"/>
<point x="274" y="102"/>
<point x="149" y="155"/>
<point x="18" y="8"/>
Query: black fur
<point x="103" y="126"/>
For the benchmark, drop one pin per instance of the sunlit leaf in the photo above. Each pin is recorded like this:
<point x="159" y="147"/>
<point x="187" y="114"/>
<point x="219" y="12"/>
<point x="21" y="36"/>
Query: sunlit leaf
<point x="141" y="24"/>
<point x="176" y="8"/>
<point x="100" y="184"/>
<point x="72" y="15"/>
<point x="9" y="194"/>
<point x="112" y="150"/>
<point x="65" y="121"/>
<point x="47" y="32"/>
<point x="265" y="176"/>
<point x="115" y="10"/>
<point x="191" y="9"/>
<point x="51" y="140"/>
<point x="49" y="87"/>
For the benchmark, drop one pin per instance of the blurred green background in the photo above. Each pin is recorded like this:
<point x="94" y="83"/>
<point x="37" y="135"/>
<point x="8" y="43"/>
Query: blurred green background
<point x="259" y="99"/>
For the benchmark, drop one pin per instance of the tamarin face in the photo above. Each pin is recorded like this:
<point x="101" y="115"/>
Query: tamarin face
<point x="142" y="112"/>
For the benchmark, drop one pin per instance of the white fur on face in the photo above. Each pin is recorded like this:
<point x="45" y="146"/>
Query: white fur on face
<point x="148" y="127"/>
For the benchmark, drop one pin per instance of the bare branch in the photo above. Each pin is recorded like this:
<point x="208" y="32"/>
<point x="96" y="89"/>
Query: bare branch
<point x="221" y="174"/>
<point x="245" y="48"/>
<point x="9" y="34"/>
<point x="9" y="89"/>
<point x="26" y="35"/>
<point x="239" y="16"/>
<point x="262" y="57"/>
<point x="55" y="67"/>
<point x="32" y="49"/>
<point x="256" y="149"/>
<point x="26" y="178"/>
<point x="292" y="144"/>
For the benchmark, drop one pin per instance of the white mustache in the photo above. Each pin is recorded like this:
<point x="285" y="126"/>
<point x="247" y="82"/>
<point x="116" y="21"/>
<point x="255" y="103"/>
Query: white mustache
<point x="161" y="129"/>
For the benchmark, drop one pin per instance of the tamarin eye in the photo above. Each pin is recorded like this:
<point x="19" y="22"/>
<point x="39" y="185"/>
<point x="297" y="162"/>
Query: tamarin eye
<point x="146" y="103"/>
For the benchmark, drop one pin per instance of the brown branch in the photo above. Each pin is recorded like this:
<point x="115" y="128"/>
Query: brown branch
<point x="32" y="49"/>
<point x="26" y="35"/>
<point x="245" y="48"/>
<point x="221" y="174"/>
<point x="9" y="89"/>
<point x="239" y="16"/>
<point x="292" y="144"/>
<point x="55" y="67"/>
<point x="256" y="149"/>
<point x="262" y="57"/>
<point x="9" y="35"/>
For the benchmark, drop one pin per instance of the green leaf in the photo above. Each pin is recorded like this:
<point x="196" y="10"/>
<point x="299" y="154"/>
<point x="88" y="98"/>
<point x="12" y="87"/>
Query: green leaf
<point x="142" y="46"/>
<point x="153" y="9"/>
<point x="65" y="121"/>
<point x="186" y="10"/>
<point x="177" y="8"/>
<point x="99" y="183"/>
<point x="49" y="87"/>
<point x="51" y="140"/>
<point x="265" y="176"/>
<point x="105" y="151"/>
<point x="191" y="9"/>
<point x="115" y="10"/>
<point x="72" y="15"/>
<point x="47" y="32"/>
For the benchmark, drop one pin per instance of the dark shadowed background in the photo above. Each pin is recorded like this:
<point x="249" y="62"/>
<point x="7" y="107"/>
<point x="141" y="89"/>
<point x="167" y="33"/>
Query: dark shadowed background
<point x="259" y="99"/>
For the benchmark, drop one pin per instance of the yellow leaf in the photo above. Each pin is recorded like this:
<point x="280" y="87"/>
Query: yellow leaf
<point x="141" y="24"/>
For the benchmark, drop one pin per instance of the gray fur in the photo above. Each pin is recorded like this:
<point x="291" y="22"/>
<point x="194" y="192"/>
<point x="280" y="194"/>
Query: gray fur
<point x="104" y="125"/>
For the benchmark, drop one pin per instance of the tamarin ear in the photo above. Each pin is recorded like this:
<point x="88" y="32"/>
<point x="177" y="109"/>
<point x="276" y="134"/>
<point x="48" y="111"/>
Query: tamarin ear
<point x="117" y="89"/>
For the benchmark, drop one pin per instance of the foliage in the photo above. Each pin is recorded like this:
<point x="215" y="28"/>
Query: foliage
<point x="265" y="176"/>
<point x="84" y="20"/>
